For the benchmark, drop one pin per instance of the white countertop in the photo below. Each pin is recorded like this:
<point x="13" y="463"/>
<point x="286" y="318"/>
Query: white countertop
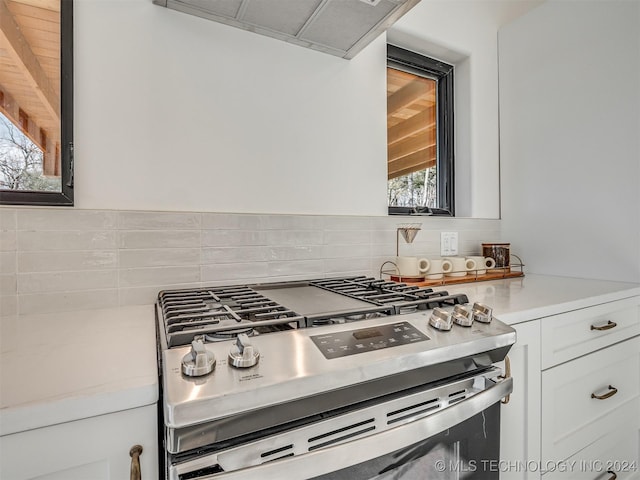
<point x="60" y="367"/>
<point x="533" y="296"/>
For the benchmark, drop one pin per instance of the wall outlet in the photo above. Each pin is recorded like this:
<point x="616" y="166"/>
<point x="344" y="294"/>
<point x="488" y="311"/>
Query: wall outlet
<point x="448" y="243"/>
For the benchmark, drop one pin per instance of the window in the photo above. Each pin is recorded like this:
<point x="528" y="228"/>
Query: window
<point x="36" y="102"/>
<point x="420" y="126"/>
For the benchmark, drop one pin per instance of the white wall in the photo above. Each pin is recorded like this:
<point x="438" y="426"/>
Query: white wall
<point x="175" y="112"/>
<point x="570" y="124"/>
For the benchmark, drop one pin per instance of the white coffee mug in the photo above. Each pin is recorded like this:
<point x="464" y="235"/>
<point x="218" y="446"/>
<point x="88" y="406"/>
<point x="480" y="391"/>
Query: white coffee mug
<point x="412" y="266"/>
<point x="437" y="268"/>
<point x="482" y="263"/>
<point x="460" y="266"/>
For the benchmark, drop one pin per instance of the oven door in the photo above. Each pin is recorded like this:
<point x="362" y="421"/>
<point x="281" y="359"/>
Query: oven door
<point x="459" y="440"/>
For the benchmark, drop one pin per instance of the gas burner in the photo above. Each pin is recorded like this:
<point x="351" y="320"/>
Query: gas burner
<point x="229" y="334"/>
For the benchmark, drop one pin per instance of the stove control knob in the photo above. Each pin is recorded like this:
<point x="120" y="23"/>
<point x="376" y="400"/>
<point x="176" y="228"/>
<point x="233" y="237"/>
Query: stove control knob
<point x="462" y="316"/>
<point x="199" y="361"/>
<point x="441" y="319"/>
<point x="243" y="354"/>
<point x="482" y="313"/>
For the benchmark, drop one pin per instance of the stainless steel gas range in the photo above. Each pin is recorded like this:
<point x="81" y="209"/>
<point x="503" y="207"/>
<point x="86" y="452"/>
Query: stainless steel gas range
<point x="341" y="378"/>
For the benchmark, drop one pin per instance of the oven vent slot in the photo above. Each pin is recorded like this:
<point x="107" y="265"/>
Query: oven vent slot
<point x="457" y="396"/>
<point x="348" y="432"/>
<point x="276" y="451"/>
<point x="412" y="410"/>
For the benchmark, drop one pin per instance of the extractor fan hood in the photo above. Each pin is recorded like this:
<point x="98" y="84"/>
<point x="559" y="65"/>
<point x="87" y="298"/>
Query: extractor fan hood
<point x="337" y="27"/>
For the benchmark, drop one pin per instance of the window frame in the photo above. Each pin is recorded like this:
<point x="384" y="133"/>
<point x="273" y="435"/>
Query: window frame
<point x="422" y="65"/>
<point x="65" y="197"/>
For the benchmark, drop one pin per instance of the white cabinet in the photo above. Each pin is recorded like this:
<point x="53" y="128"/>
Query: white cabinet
<point x="585" y="399"/>
<point x="520" y="418"/>
<point x="95" y="448"/>
<point x="575" y="409"/>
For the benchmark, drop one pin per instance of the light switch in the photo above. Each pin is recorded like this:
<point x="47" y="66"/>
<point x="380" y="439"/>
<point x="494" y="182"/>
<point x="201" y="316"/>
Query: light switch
<point x="448" y="243"/>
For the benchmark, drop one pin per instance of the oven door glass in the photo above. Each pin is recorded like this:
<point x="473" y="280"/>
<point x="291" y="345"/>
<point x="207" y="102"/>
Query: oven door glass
<point x="469" y="450"/>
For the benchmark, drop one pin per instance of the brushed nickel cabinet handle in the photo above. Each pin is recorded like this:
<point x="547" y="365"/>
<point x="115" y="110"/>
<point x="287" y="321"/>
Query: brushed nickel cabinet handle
<point x="612" y="391"/>
<point x="507" y="374"/>
<point x="134" y="453"/>
<point x="607" y="326"/>
<point x="613" y="475"/>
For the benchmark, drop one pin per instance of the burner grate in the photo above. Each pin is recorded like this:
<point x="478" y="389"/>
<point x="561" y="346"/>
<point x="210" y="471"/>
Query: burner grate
<point x="221" y="313"/>
<point x="403" y="297"/>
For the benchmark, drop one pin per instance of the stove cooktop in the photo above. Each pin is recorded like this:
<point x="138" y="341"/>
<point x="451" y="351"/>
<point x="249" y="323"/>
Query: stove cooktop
<point x="222" y="313"/>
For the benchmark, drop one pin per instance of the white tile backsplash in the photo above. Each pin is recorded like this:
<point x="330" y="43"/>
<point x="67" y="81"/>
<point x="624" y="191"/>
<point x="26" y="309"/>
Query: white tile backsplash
<point x="41" y="282"/>
<point x="8" y="219"/>
<point x="8" y="305"/>
<point x="8" y="240"/>
<point x="295" y="237"/>
<point x="158" y="276"/>
<point x="296" y="252"/>
<point x="159" y="257"/>
<point x="228" y="221"/>
<point x="228" y="238"/>
<point x="8" y="262"/>
<point x="234" y="254"/>
<point x="66" y="240"/>
<point x="64" y="219"/>
<point x="69" y="259"/>
<point x="234" y="271"/>
<point x="159" y="221"/>
<point x="313" y="268"/>
<point x="158" y="239"/>
<point x="292" y="222"/>
<point x="30" y="262"/>
<point x="8" y="285"/>
<point x="67" y="301"/>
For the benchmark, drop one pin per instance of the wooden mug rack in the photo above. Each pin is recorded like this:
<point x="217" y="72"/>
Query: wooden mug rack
<point x="515" y="269"/>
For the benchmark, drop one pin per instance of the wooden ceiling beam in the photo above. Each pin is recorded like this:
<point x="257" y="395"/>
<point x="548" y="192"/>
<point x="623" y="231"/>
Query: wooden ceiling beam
<point x="53" y="5"/>
<point x="39" y="136"/>
<point x="411" y="145"/>
<point x="421" y="122"/>
<point x="12" y="40"/>
<point x="419" y="160"/>
<point x="410" y="93"/>
<point x="10" y="109"/>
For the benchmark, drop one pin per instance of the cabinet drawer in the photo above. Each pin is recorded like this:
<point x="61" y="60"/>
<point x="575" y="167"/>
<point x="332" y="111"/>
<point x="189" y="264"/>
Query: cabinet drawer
<point x="571" y="417"/>
<point x="615" y="453"/>
<point x="573" y="334"/>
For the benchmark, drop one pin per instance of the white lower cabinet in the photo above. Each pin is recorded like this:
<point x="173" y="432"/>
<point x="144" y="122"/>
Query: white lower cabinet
<point x="95" y="448"/>
<point x="588" y="398"/>
<point x="613" y="456"/>
<point x="520" y="417"/>
<point x="575" y="409"/>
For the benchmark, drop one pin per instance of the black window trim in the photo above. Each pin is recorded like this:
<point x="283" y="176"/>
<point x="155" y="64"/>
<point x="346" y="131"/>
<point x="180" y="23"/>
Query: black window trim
<point x="65" y="197"/>
<point x="442" y="72"/>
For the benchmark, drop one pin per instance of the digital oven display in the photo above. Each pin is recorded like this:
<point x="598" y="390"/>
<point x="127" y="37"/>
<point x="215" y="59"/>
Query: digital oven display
<point x="351" y="342"/>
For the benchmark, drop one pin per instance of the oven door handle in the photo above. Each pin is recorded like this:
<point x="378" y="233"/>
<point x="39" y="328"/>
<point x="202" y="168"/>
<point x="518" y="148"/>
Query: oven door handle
<point x="331" y="459"/>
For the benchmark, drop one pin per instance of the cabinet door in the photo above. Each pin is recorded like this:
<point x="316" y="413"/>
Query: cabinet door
<point x="613" y="456"/>
<point x="586" y="398"/>
<point x="95" y="448"/>
<point x="520" y="418"/>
